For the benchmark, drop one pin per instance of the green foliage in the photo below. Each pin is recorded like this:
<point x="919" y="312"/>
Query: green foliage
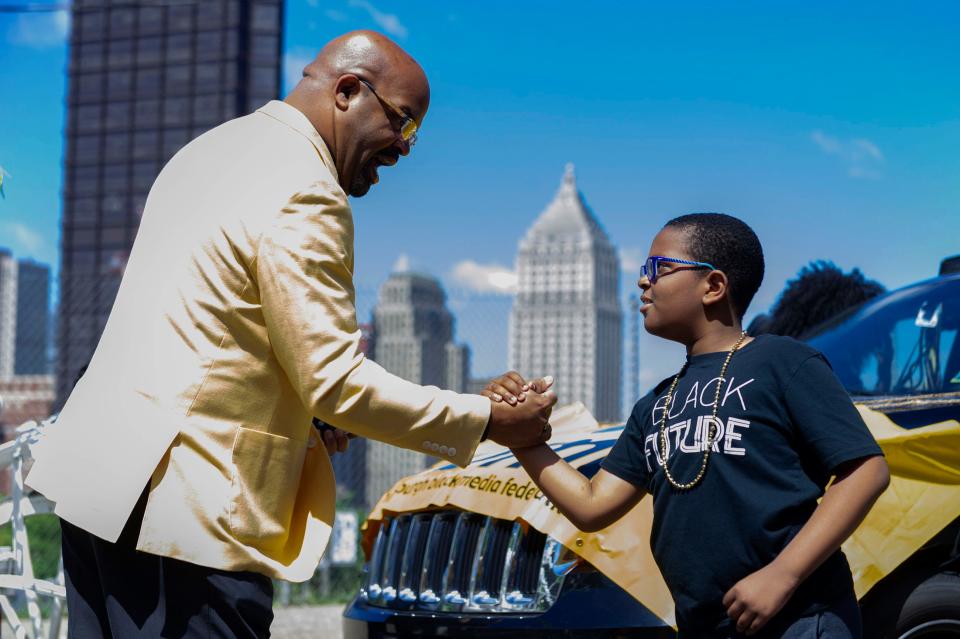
<point x="43" y="531"/>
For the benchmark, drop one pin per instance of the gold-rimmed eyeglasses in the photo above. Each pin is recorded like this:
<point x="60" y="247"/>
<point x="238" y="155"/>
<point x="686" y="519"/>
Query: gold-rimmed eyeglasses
<point x="408" y="126"/>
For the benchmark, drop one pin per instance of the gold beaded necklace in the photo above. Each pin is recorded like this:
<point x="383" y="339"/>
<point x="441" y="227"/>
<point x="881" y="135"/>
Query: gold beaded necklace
<point x="711" y="429"/>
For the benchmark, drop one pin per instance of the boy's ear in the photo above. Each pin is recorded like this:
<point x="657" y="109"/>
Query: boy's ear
<point x="715" y="285"/>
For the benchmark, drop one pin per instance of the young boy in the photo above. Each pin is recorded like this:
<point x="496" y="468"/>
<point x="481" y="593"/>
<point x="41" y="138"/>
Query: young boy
<point x="752" y="431"/>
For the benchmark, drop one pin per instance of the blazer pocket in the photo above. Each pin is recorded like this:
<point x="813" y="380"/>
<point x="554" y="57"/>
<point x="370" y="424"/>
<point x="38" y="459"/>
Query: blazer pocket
<point x="267" y="470"/>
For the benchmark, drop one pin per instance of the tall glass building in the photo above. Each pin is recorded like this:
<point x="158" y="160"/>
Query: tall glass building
<point x="145" y="77"/>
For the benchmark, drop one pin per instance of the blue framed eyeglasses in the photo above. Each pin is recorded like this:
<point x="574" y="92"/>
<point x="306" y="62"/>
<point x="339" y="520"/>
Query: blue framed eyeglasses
<point x="650" y="267"/>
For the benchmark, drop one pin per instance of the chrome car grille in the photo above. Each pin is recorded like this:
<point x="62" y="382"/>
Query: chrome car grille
<point x="454" y="561"/>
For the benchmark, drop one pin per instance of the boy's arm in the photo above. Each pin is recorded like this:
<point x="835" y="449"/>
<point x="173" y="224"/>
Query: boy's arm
<point x="757" y="597"/>
<point x="589" y="504"/>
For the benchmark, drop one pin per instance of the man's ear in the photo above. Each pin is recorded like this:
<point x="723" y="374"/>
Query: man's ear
<point x="346" y="88"/>
<point x="716" y="288"/>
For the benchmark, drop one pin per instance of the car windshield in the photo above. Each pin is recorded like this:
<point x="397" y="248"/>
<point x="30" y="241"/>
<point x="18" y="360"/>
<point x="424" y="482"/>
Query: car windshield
<point x="904" y="343"/>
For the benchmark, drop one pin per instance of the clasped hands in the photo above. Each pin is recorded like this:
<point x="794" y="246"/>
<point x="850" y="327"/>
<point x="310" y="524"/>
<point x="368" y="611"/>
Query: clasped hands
<point x="519" y="414"/>
<point x="520" y="410"/>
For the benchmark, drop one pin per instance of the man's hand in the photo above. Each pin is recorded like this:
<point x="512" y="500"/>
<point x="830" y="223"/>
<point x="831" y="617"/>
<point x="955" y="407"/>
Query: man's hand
<point x="756" y="598"/>
<point x="336" y="440"/>
<point x="526" y="420"/>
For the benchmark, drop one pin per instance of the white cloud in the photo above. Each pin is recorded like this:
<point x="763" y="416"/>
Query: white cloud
<point x="40" y="30"/>
<point x="293" y="63"/>
<point x="386" y="21"/>
<point x="25" y="237"/>
<point x="862" y="157"/>
<point x="335" y="15"/>
<point x="402" y="265"/>
<point x="485" y="278"/>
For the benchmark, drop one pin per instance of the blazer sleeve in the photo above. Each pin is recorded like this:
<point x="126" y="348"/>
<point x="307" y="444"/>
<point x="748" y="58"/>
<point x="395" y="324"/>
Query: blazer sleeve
<point x="304" y="271"/>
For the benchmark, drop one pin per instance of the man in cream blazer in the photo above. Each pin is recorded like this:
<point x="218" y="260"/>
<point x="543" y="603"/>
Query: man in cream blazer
<point x="234" y="325"/>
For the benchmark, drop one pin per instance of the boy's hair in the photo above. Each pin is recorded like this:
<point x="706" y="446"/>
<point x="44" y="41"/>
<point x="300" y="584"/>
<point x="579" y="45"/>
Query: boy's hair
<point x="731" y="246"/>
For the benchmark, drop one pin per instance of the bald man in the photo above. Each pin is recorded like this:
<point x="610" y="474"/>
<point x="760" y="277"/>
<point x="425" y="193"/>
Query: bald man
<point x="184" y="466"/>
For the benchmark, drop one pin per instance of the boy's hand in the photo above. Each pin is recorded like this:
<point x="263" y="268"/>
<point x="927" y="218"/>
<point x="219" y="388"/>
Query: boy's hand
<point x="512" y="387"/>
<point x="756" y="598"/>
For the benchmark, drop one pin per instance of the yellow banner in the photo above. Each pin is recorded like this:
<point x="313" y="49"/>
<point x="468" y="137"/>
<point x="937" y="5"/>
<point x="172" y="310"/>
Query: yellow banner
<point x="924" y="496"/>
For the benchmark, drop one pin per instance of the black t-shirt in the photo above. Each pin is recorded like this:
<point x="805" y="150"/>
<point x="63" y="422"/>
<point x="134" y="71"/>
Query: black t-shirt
<point x="786" y="424"/>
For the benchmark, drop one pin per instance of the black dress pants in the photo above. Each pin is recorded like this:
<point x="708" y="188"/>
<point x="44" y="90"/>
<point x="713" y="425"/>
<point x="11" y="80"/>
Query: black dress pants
<point x="114" y="590"/>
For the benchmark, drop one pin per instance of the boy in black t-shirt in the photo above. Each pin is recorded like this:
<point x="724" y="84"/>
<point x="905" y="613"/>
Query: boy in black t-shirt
<point x="752" y="430"/>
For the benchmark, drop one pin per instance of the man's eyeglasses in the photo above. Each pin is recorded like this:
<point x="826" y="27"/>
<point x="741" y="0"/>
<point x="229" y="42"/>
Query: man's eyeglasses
<point x="408" y="126"/>
<point x="650" y="267"/>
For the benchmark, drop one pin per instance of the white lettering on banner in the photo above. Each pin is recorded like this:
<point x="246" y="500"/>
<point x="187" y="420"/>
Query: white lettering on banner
<point x="732" y="435"/>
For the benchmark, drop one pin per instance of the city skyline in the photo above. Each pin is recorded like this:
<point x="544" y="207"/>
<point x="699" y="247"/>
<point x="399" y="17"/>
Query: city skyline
<point x="413" y="336"/>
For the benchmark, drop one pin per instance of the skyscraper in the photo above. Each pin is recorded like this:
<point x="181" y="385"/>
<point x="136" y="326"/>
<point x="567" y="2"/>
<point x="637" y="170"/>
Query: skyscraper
<point x="24" y="316"/>
<point x="145" y="77"/>
<point x="566" y="319"/>
<point x="33" y="318"/>
<point x="414" y="340"/>
<point x="8" y="313"/>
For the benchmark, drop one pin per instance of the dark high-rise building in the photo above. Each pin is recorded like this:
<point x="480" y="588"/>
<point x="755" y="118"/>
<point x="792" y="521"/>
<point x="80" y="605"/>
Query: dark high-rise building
<point x="33" y="318"/>
<point x="145" y="77"/>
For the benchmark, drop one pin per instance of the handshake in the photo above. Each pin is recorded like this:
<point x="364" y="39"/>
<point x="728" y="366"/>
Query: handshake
<point x="520" y="410"/>
<point x="519" y="416"/>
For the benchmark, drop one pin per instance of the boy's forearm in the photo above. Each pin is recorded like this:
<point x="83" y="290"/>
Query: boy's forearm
<point x="563" y="484"/>
<point x="840" y="512"/>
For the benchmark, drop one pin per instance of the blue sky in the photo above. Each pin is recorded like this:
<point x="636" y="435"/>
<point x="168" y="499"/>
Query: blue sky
<point x="832" y="128"/>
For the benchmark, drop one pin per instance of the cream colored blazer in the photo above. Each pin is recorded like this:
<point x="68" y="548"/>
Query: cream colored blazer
<point x="233" y="325"/>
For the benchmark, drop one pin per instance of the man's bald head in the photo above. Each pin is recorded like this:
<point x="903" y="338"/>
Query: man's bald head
<point x="365" y="52"/>
<point x="361" y="132"/>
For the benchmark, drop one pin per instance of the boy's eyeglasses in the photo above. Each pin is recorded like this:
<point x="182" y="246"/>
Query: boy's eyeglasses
<point x="650" y="267"/>
<point x="408" y="126"/>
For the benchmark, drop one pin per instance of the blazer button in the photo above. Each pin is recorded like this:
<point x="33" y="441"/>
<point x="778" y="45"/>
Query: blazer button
<point x="311" y="442"/>
<point x="452" y="452"/>
<point x="426" y="444"/>
<point x="444" y="450"/>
